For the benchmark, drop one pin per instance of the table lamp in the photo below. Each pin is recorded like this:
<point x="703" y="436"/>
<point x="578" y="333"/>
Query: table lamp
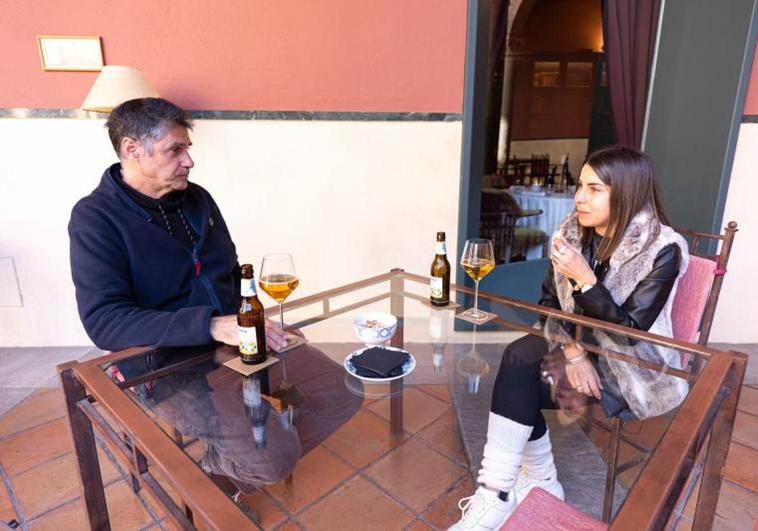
<point x="115" y="85"/>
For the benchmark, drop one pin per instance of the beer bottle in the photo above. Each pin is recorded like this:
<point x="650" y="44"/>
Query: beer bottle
<point x="250" y="321"/>
<point x="440" y="282"/>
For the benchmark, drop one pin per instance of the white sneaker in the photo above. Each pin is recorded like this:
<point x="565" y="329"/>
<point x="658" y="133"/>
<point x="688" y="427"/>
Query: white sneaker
<point x="524" y="484"/>
<point x="484" y="511"/>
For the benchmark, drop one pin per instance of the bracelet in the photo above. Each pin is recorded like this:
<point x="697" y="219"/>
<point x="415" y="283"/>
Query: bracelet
<point x="576" y="360"/>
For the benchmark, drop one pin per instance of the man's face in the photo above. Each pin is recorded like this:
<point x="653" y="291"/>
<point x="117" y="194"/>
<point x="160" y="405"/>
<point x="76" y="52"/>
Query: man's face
<point x="167" y="168"/>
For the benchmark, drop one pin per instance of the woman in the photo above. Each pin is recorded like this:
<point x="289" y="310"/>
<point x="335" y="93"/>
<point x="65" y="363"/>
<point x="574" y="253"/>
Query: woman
<point x="614" y="258"/>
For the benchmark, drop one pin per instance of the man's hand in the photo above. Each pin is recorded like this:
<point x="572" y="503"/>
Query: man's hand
<point x="224" y="329"/>
<point x="276" y="338"/>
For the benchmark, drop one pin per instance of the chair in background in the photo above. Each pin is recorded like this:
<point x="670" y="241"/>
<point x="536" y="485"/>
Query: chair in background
<point x="540" y="169"/>
<point x="499" y="215"/>
<point x="692" y="316"/>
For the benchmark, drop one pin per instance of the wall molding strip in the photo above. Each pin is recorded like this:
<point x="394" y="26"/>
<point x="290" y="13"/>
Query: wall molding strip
<point x="340" y="116"/>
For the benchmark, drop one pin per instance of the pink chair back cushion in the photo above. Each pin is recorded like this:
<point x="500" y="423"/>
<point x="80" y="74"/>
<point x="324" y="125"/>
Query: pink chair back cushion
<point x="541" y="511"/>
<point x="689" y="302"/>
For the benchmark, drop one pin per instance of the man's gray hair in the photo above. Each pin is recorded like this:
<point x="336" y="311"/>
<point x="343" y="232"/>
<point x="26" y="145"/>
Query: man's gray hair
<point x="145" y="120"/>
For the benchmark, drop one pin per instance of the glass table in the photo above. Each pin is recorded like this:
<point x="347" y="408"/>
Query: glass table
<point x="215" y="448"/>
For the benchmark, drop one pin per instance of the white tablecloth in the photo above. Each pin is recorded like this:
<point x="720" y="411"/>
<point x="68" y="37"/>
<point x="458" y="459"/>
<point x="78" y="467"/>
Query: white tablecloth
<point x="554" y="208"/>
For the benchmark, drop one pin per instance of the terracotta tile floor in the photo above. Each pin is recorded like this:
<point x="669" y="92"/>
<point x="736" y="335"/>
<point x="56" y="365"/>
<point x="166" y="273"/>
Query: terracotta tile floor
<point x="359" y="478"/>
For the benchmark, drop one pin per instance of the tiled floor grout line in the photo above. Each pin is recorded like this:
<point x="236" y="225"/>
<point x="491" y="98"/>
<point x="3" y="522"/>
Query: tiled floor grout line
<point x="25" y="430"/>
<point x="418" y="387"/>
<point x="457" y="483"/>
<point x="122" y="477"/>
<point x="276" y="502"/>
<point x="736" y="485"/>
<point x="389" y="494"/>
<point x="50" y="510"/>
<point x="423" y="442"/>
<point x="61" y="504"/>
<point x="407" y="437"/>
<point x="359" y="472"/>
<point x="12" y="495"/>
<point x="754" y="415"/>
<point x="125" y="475"/>
<point x="328" y="493"/>
<point x="743" y="445"/>
<point x="290" y="520"/>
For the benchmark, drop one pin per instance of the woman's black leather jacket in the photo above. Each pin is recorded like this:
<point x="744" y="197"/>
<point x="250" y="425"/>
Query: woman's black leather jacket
<point x="640" y="309"/>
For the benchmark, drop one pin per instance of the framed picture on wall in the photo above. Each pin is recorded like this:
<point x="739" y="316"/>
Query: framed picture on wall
<point x="74" y="53"/>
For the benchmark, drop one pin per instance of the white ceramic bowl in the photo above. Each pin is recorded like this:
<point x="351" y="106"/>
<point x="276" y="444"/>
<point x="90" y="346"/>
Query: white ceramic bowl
<point x="374" y="328"/>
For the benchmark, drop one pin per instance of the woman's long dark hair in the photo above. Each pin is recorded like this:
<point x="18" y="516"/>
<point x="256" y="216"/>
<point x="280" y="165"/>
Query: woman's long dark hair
<point x="629" y="175"/>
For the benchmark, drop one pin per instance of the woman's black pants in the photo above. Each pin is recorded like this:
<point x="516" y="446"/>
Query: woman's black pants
<point x="519" y="392"/>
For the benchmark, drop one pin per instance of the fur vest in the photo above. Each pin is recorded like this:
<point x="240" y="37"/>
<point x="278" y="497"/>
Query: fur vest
<point x="649" y="393"/>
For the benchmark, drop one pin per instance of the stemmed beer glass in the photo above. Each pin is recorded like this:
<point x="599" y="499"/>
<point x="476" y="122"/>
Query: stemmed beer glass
<point x="478" y="260"/>
<point x="278" y="278"/>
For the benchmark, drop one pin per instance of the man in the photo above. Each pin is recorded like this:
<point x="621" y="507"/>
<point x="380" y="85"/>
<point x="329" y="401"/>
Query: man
<point x="151" y="257"/>
<point x="154" y="265"/>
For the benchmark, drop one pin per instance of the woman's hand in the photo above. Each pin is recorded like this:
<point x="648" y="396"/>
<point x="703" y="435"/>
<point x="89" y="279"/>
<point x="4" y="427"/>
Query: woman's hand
<point x="570" y="262"/>
<point x="582" y="376"/>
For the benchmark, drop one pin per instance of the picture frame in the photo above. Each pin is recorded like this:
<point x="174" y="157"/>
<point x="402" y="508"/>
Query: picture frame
<point x="70" y="53"/>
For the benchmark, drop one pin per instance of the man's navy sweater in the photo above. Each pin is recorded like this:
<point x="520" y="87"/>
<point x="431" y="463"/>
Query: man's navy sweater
<point x="137" y="285"/>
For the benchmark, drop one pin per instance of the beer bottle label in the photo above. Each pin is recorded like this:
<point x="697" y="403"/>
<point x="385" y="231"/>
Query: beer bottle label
<point x="440" y="248"/>
<point x="248" y="340"/>
<point x="436" y="287"/>
<point x="248" y="287"/>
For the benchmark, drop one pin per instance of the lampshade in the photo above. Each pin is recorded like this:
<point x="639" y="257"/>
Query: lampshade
<point x="115" y="85"/>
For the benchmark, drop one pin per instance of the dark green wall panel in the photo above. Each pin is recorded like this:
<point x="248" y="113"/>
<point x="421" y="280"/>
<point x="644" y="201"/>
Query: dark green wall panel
<point x="703" y="64"/>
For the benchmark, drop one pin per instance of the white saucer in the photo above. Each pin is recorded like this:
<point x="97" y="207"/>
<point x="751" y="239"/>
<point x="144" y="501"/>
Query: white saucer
<point x="408" y="366"/>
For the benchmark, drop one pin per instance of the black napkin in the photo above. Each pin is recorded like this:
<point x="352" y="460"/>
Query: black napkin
<point x="380" y="362"/>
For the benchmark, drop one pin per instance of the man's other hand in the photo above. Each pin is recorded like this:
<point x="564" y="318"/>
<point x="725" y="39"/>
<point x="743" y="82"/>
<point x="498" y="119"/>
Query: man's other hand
<point x="276" y="338"/>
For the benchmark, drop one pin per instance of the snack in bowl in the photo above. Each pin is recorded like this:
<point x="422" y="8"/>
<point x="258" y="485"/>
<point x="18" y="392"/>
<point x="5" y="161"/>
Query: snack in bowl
<point x="374" y="328"/>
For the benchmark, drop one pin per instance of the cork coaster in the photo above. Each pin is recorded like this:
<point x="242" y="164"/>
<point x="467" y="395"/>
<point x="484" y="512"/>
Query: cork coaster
<point x="236" y="365"/>
<point x="293" y="341"/>
<point x="452" y="305"/>
<point x="465" y="316"/>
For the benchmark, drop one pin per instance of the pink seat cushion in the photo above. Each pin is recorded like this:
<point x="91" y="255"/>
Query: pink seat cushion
<point x="690" y="299"/>
<point x="541" y="511"/>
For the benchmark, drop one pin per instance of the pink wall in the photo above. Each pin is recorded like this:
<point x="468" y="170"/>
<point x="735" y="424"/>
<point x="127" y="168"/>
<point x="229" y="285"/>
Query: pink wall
<point x="327" y="55"/>
<point x="751" y="98"/>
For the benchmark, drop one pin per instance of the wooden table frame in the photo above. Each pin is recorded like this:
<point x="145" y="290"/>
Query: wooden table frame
<point x="703" y="422"/>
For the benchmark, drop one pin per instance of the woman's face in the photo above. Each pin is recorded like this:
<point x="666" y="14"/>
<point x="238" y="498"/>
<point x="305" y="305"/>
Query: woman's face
<point x="593" y="201"/>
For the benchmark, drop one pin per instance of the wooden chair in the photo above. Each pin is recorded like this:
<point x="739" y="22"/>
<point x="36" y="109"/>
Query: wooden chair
<point x="540" y="169"/>
<point x="692" y="314"/>
<point x="499" y="215"/>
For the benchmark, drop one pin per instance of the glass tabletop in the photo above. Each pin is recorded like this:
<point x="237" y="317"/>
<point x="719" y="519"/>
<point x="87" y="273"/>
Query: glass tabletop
<point x="290" y="441"/>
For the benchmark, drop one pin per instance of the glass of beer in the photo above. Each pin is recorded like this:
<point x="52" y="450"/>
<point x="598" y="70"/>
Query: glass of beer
<point x="477" y="261"/>
<point x="278" y="278"/>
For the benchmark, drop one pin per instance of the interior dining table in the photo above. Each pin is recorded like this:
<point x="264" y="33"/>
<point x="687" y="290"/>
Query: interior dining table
<point x="555" y="206"/>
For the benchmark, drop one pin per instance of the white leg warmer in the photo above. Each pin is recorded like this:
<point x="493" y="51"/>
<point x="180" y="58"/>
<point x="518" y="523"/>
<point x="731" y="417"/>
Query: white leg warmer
<point x="503" y="452"/>
<point x="538" y="458"/>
